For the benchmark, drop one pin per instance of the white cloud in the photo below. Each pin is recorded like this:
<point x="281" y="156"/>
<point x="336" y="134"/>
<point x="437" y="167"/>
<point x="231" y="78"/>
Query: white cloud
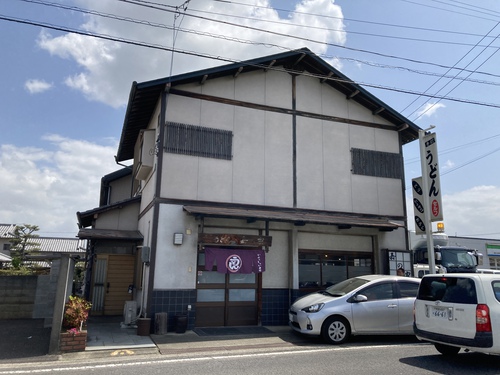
<point x="429" y="109"/>
<point x="36" y="86"/>
<point x="474" y="212"/>
<point x="448" y="164"/>
<point x="109" y="68"/>
<point x="47" y="188"/>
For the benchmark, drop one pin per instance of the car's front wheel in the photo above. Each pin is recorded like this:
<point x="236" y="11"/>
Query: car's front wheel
<point x="336" y="330"/>
<point x="447" y="349"/>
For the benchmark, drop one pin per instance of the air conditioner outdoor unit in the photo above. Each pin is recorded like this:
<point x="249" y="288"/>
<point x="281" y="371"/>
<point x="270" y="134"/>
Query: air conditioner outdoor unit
<point x="129" y="312"/>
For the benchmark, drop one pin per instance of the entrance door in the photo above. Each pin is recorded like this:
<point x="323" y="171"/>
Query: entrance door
<point x="112" y="276"/>
<point x="227" y="299"/>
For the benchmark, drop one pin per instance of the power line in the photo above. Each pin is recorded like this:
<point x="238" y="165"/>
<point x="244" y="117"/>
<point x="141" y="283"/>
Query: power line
<point x="225" y="37"/>
<point x="150" y="5"/>
<point x="345" y="18"/>
<point x="456" y="148"/>
<point x="344" y="31"/>
<point x="477" y="56"/>
<point x="451" y="11"/>
<point x="229" y="60"/>
<point x="470" y="162"/>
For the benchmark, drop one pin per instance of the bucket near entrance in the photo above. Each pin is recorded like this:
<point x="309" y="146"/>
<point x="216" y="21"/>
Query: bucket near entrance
<point x="143" y="326"/>
<point x="181" y="321"/>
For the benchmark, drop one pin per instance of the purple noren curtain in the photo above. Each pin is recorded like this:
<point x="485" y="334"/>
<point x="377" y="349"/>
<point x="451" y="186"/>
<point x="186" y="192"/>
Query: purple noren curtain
<point x="235" y="260"/>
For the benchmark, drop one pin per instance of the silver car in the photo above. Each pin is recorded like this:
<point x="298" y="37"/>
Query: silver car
<point x="364" y="305"/>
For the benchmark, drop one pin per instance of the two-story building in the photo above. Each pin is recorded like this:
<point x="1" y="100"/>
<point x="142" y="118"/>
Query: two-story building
<point x="252" y="183"/>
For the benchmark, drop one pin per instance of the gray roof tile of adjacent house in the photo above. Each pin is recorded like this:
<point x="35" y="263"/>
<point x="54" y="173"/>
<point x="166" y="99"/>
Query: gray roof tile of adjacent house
<point x="60" y="245"/>
<point x="49" y="244"/>
<point x="6" y="229"/>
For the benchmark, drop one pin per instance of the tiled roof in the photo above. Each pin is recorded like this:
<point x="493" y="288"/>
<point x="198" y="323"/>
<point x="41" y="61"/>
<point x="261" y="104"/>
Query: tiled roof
<point x="49" y="244"/>
<point x="61" y="245"/>
<point x="5" y="258"/>
<point x="5" y="229"/>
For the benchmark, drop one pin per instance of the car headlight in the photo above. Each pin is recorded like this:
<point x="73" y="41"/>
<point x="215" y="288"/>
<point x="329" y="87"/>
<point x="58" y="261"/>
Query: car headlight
<point x="313" y="308"/>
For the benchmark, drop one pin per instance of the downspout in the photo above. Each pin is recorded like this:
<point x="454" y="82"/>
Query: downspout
<point x="157" y="195"/>
<point x="294" y="138"/>
<point x="293" y="255"/>
<point x="403" y="193"/>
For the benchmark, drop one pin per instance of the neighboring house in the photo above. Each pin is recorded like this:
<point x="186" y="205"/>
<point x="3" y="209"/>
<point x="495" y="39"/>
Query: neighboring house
<point x="4" y="260"/>
<point x="113" y="240"/>
<point x="252" y="183"/>
<point x="5" y="236"/>
<point x="48" y="247"/>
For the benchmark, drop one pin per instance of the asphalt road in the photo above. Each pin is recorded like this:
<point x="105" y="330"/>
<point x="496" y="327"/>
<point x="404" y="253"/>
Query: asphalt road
<point x="24" y="340"/>
<point x="24" y="346"/>
<point x="367" y="356"/>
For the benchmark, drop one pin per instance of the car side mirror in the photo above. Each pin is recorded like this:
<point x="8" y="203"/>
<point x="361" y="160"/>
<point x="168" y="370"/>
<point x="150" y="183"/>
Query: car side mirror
<point x="360" y="298"/>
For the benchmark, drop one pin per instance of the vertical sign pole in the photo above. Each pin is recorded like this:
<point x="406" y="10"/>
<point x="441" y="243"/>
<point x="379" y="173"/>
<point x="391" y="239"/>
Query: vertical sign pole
<point x="427" y="208"/>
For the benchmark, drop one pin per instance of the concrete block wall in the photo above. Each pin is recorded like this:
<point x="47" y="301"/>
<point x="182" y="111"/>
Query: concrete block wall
<point x="29" y="297"/>
<point x="45" y="297"/>
<point x="17" y="296"/>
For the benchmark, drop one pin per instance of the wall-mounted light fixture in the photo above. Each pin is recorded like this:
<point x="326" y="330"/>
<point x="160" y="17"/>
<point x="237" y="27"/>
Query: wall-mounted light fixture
<point x="178" y="238"/>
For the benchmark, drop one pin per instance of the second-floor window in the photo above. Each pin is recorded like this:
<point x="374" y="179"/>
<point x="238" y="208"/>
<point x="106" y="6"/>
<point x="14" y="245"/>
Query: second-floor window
<point x="377" y="163"/>
<point x="199" y="141"/>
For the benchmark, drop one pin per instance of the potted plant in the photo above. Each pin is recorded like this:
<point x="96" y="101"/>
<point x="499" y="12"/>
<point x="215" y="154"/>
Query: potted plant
<point x="76" y="314"/>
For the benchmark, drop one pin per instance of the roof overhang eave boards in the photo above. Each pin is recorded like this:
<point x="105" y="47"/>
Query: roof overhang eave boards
<point x="110" y="234"/>
<point x="85" y="218"/>
<point x="298" y="217"/>
<point x="144" y="96"/>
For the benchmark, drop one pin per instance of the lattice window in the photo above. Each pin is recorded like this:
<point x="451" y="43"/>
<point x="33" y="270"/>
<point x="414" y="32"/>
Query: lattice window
<point x="198" y="141"/>
<point x="377" y="163"/>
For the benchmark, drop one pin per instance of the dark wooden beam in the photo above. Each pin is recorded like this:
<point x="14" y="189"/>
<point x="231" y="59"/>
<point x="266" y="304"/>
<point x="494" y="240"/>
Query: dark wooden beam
<point x="228" y="239"/>
<point x="353" y="94"/>
<point x="238" y="72"/>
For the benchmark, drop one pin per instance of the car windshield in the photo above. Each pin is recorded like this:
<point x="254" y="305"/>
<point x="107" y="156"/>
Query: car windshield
<point x="345" y="286"/>
<point x="457" y="258"/>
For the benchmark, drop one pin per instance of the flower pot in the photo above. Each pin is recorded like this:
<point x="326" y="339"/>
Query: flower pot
<point x="72" y="342"/>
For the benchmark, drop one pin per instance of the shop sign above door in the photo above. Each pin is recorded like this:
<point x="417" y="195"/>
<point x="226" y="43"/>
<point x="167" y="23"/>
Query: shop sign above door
<point x="234" y="239"/>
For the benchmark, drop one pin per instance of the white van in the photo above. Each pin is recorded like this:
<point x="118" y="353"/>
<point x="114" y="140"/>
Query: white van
<point x="460" y="310"/>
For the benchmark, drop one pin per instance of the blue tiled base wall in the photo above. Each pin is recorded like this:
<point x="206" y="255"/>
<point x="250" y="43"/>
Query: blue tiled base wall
<point x="275" y="304"/>
<point x="175" y="302"/>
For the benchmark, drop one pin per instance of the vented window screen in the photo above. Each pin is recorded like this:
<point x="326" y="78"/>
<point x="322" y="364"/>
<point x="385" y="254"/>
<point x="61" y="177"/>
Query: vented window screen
<point x="377" y="163"/>
<point x="199" y="141"/>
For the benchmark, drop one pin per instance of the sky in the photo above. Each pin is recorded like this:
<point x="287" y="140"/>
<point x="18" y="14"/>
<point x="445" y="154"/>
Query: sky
<point x="67" y="67"/>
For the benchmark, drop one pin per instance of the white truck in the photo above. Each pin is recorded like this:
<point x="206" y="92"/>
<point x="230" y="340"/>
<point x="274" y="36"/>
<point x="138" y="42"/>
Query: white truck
<point x="448" y="259"/>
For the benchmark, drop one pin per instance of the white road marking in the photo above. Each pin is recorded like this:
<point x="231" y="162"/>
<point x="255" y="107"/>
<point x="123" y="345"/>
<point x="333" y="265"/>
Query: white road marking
<point x="196" y="359"/>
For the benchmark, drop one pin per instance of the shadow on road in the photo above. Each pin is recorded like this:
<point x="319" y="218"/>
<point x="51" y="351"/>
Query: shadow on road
<point x="23" y="340"/>
<point x="463" y="363"/>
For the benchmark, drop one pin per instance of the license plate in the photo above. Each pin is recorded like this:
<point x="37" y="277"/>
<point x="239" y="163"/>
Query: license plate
<point x="440" y="312"/>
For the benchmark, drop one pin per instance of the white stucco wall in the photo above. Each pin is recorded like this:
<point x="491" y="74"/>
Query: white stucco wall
<point x="175" y="264"/>
<point x="277" y="261"/>
<point x="124" y="218"/>
<point x="261" y="170"/>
